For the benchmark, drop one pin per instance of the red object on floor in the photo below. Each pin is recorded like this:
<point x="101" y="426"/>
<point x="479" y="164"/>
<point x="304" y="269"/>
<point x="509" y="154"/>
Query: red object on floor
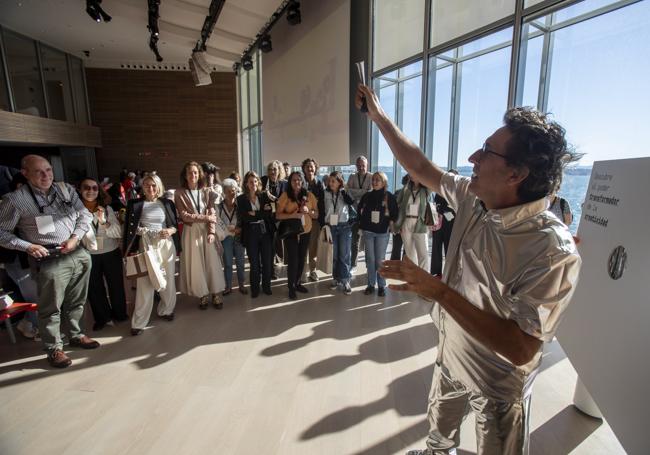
<point x="15" y="308"/>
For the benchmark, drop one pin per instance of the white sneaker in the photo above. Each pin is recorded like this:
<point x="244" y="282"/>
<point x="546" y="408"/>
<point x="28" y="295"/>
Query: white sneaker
<point x="27" y="329"/>
<point x="313" y="276"/>
<point x="353" y="270"/>
<point x="347" y="290"/>
<point x="334" y="284"/>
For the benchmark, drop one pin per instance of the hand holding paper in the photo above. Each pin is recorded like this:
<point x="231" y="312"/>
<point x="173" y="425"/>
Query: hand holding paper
<point x="361" y="74"/>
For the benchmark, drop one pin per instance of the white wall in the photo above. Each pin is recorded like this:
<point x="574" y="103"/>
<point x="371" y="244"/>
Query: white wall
<point x="305" y="92"/>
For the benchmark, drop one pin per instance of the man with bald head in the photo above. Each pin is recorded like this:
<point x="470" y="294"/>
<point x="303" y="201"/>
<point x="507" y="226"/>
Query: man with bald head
<point x="47" y="221"/>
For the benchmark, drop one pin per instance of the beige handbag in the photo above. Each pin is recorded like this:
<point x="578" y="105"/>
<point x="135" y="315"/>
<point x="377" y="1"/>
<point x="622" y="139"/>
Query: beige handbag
<point x="135" y="265"/>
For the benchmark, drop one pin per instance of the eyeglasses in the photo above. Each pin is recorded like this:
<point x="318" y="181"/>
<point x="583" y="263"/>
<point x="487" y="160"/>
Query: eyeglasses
<point x="485" y="151"/>
<point x="90" y="188"/>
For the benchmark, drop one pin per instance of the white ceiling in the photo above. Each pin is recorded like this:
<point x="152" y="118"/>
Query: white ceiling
<point x="65" y="25"/>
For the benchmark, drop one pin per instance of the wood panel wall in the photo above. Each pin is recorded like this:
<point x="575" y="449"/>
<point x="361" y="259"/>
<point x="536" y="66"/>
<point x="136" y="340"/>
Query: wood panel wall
<point x="160" y="120"/>
<point x="30" y="130"/>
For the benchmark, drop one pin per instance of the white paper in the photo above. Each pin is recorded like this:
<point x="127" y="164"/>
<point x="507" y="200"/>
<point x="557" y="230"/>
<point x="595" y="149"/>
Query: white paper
<point x="361" y="72"/>
<point x="334" y="220"/>
<point x="414" y="208"/>
<point x="449" y="216"/>
<point x="45" y="224"/>
<point x="374" y="216"/>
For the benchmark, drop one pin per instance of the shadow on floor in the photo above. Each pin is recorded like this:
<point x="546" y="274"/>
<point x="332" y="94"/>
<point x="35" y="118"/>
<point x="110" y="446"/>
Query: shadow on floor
<point x="563" y="432"/>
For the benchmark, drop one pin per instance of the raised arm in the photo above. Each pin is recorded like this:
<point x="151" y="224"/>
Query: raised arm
<point x="407" y="153"/>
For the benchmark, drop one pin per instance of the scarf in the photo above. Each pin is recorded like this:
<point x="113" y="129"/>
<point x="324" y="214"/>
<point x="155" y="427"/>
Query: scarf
<point x="92" y="206"/>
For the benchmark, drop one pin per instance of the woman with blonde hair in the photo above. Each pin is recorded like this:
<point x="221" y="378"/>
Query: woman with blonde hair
<point x="151" y="222"/>
<point x="377" y="211"/>
<point x="255" y="216"/>
<point x="201" y="267"/>
<point x="274" y="183"/>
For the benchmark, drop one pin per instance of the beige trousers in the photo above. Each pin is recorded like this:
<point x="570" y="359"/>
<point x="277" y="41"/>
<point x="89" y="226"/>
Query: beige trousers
<point x="501" y="426"/>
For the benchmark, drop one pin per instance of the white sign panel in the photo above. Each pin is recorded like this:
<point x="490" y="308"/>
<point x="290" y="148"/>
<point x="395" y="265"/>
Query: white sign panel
<point x="605" y="332"/>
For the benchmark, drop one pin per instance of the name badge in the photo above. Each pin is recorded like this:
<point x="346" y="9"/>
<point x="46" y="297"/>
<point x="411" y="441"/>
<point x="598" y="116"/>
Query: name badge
<point x="45" y="224"/>
<point x="449" y="216"/>
<point x="374" y="216"/>
<point x="414" y="208"/>
<point x="334" y="220"/>
<point x="273" y="207"/>
<point x="302" y="220"/>
<point x="100" y="243"/>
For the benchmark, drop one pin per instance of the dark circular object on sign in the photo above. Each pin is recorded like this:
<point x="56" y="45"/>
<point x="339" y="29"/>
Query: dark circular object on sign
<point x="617" y="262"/>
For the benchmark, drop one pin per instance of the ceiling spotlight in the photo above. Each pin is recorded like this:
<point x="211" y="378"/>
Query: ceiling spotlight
<point x="247" y="62"/>
<point x="96" y="12"/>
<point x="265" y="43"/>
<point x="293" y="12"/>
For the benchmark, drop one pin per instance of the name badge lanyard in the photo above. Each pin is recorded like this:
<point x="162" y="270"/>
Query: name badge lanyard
<point x="335" y="202"/>
<point x="415" y="195"/>
<point x="41" y="207"/>
<point x="361" y="182"/>
<point x="230" y="216"/>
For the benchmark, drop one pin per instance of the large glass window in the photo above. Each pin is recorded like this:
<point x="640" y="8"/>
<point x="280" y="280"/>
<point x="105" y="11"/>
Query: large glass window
<point x="79" y="88"/>
<point x="24" y="74"/>
<point x="251" y="115"/>
<point x="453" y="18"/>
<point x="468" y="94"/>
<point x="57" y="84"/>
<point x="400" y="94"/>
<point x="587" y="65"/>
<point x="253" y="91"/>
<point x="398" y="30"/>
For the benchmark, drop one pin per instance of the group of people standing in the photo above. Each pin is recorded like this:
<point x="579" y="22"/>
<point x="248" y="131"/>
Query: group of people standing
<point x="211" y="225"/>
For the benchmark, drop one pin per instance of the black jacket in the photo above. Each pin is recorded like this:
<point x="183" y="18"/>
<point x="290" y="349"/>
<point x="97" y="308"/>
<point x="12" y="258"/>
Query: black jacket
<point x="245" y="219"/>
<point x="133" y="214"/>
<point x="377" y="200"/>
<point x="277" y="189"/>
<point x="317" y="188"/>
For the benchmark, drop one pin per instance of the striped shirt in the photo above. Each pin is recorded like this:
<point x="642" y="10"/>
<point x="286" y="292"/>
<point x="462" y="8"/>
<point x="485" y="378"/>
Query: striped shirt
<point x="20" y="210"/>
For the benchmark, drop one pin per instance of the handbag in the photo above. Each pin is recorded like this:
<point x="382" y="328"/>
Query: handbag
<point x="290" y="227"/>
<point x="325" y="251"/>
<point x="430" y="215"/>
<point x="135" y="265"/>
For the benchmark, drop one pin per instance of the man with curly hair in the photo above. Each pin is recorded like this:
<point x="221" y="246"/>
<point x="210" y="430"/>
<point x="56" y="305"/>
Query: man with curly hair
<point x="510" y="272"/>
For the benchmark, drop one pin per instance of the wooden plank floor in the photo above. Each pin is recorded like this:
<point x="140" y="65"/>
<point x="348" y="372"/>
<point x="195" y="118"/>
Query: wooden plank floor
<point x="328" y="374"/>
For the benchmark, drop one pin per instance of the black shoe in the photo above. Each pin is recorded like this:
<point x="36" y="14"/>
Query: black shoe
<point x="274" y="277"/>
<point x="381" y="292"/>
<point x="168" y="317"/>
<point x="292" y="294"/>
<point x="267" y="291"/>
<point x="255" y="293"/>
<point x="136" y="332"/>
<point x="370" y="290"/>
<point x="301" y="288"/>
<point x="97" y="326"/>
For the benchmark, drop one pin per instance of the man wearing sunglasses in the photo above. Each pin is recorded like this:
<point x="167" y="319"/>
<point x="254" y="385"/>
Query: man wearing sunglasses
<point x="510" y="271"/>
<point x="51" y="220"/>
